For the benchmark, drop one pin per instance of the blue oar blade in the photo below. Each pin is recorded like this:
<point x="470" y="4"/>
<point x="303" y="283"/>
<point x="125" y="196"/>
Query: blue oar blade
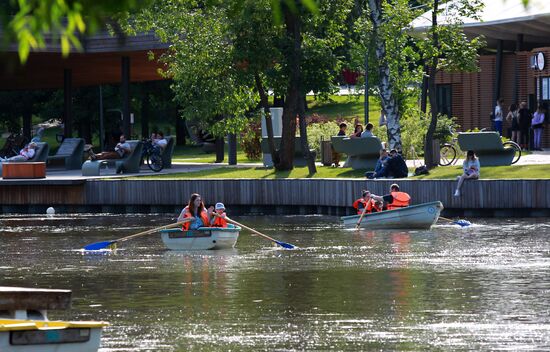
<point x="98" y="245"/>
<point x="285" y="245"/>
<point x="463" y="223"/>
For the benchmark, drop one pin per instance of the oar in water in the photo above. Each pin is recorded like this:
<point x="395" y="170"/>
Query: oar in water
<point x="282" y="244"/>
<point x="460" y="222"/>
<point x="104" y="244"/>
<point x="361" y="218"/>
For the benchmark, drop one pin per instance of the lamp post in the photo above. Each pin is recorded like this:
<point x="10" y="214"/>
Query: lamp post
<point x="366" y="104"/>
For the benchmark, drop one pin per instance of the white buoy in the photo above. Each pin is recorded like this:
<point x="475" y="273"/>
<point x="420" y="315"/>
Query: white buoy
<point x="50" y="211"/>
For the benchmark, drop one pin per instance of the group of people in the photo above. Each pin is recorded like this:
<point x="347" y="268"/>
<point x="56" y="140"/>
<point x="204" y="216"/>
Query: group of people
<point x="389" y="165"/>
<point x="214" y="216"/>
<point x="371" y="203"/>
<point x="521" y="120"/>
<point x="357" y="133"/>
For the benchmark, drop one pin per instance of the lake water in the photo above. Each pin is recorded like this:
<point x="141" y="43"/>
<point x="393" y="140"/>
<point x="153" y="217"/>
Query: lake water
<point x="485" y="287"/>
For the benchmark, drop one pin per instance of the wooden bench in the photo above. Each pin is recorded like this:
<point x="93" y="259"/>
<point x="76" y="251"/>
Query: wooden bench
<point x="23" y="169"/>
<point x="70" y="152"/>
<point x="299" y="159"/>
<point x="488" y="148"/>
<point x="363" y="153"/>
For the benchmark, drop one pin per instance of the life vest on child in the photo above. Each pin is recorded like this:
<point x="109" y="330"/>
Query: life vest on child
<point x="187" y="214"/>
<point x="219" y="221"/>
<point x="400" y="200"/>
<point x="374" y="207"/>
<point x="360" y="204"/>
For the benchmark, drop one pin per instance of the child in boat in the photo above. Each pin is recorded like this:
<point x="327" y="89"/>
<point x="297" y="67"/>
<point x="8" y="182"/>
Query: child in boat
<point x="218" y="218"/>
<point x="364" y="201"/>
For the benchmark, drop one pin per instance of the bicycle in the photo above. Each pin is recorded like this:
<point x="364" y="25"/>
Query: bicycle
<point x="448" y="151"/>
<point x="152" y="154"/>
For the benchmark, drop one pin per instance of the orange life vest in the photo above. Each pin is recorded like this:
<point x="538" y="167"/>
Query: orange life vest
<point x="374" y="207"/>
<point x="363" y="203"/>
<point x="219" y="221"/>
<point x="187" y="214"/>
<point x="400" y="200"/>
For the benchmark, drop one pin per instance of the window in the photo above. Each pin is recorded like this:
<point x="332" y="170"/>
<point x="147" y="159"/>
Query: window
<point x="444" y="102"/>
<point x="545" y="88"/>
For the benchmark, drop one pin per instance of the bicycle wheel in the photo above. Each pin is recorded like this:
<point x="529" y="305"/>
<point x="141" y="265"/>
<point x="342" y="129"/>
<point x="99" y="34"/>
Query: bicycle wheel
<point x="513" y="145"/>
<point x="154" y="161"/>
<point x="447" y="154"/>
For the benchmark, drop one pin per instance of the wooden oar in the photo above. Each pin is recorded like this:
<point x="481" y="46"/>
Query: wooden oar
<point x="104" y="244"/>
<point x="361" y="218"/>
<point x="462" y="223"/>
<point x="282" y="244"/>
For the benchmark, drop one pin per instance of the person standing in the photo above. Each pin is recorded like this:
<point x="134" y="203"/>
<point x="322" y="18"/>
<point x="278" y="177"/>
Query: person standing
<point x="498" y="116"/>
<point x="513" y="117"/>
<point x="524" y="124"/>
<point x="537" y="126"/>
<point x="471" y="168"/>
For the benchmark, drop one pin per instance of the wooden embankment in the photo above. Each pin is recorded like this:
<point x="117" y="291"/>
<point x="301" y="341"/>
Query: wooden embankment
<point x="288" y="196"/>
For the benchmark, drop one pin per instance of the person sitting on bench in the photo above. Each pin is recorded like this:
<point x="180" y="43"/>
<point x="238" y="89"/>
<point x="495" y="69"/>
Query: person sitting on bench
<point x="122" y="149"/>
<point x="24" y="155"/>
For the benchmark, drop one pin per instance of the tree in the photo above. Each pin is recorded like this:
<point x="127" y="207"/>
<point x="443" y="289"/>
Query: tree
<point x="224" y="54"/>
<point x="447" y="48"/>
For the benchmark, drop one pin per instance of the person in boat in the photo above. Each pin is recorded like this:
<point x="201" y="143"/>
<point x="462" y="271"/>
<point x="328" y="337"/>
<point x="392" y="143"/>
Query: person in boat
<point x="396" y="199"/>
<point x="194" y="209"/>
<point x="366" y="202"/>
<point x="218" y="216"/>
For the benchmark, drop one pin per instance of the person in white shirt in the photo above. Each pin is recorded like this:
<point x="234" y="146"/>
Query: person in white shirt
<point x="25" y="154"/>
<point x="160" y="142"/>
<point x="499" y="116"/>
<point x="122" y="149"/>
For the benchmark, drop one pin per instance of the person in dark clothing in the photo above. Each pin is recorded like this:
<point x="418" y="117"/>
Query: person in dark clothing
<point x="394" y="167"/>
<point x="524" y="125"/>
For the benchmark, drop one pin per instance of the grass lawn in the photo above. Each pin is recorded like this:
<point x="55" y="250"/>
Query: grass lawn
<point x="442" y="173"/>
<point x="194" y="154"/>
<point x="347" y="107"/>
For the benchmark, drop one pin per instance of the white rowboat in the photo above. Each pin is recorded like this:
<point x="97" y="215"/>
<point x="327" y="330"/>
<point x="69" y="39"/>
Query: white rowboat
<point x="201" y="239"/>
<point x="421" y="216"/>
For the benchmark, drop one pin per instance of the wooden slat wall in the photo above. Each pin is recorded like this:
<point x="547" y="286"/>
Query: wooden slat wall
<point x="519" y="194"/>
<point x="42" y="194"/>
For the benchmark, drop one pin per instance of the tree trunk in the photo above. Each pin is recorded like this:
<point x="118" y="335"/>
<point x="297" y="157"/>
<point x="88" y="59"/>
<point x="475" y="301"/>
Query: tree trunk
<point x="145" y="110"/>
<point x="424" y="91"/>
<point x="268" y="121"/>
<point x="295" y="97"/>
<point x="220" y="152"/>
<point x="389" y="102"/>
<point x="428" y="145"/>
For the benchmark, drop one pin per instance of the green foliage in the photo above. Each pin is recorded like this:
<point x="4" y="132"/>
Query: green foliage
<point x="321" y="131"/>
<point x="29" y="22"/>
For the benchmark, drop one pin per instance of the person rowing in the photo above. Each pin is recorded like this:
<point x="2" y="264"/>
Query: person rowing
<point x="194" y="209"/>
<point x="396" y="199"/>
<point x="366" y="201"/>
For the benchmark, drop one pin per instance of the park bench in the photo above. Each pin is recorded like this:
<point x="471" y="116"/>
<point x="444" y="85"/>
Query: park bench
<point x="488" y="148"/>
<point x="168" y="152"/>
<point x="299" y="159"/>
<point x="70" y="152"/>
<point x="128" y="164"/>
<point x="363" y="153"/>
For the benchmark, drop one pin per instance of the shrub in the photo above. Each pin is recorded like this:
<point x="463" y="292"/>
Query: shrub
<point x="250" y="140"/>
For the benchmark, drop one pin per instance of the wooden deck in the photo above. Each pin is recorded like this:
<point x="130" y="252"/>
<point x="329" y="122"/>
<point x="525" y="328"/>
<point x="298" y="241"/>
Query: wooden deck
<point x="298" y="196"/>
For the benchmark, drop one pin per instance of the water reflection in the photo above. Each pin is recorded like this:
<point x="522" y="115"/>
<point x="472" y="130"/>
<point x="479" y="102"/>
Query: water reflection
<point x="479" y="288"/>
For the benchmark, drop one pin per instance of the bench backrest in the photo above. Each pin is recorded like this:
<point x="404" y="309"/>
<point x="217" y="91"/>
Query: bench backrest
<point x="168" y="152"/>
<point x="70" y="146"/>
<point x="480" y="141"/>
<point x="41" y="152"/>
<point x="357" y="146"/>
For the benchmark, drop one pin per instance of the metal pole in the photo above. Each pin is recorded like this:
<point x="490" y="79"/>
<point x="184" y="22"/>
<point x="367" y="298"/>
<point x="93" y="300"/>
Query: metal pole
<point x="101" y="127"/>
<point x="366" y="88"/>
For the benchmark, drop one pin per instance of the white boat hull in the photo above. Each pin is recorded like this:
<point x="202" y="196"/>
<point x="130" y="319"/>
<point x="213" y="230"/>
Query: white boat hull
<point x="201" y="239"/>
<point x="421" y="216"/>
<point x="49" y="339"/>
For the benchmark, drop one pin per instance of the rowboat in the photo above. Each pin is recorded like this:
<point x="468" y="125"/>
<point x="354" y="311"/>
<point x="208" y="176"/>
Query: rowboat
<point x="421" y="216"/>
<point x="24" y="324"/>
<point x="201" y="239"/>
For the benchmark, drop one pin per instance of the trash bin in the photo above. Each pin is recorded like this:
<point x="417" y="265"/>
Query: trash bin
<point x="326" y="153"/>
